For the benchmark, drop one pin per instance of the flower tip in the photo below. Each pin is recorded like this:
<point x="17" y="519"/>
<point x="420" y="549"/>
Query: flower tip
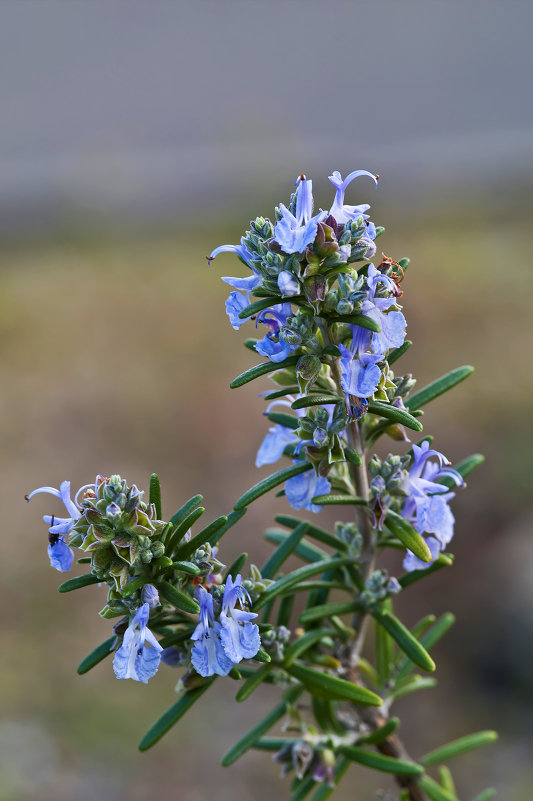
<point x="27" y="498"/>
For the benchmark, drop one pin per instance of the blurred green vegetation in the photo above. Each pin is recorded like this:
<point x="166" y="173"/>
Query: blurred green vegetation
<point x="116" y="356"/>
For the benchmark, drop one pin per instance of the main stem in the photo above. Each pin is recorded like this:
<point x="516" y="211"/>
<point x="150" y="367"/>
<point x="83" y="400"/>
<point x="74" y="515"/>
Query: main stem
<point x="392" y="746"/>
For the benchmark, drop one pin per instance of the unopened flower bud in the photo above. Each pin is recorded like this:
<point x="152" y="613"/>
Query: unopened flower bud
<point x="150" y="596"/>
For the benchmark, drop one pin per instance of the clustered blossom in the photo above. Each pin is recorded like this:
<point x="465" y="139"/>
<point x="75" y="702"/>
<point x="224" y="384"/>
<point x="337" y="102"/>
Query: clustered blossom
<point x="59" y="553"/>
<point x="109" y="520"/>
<point x="427" y="503"/>
<point x="221" y="644"/>
<point x="319" y="267"/>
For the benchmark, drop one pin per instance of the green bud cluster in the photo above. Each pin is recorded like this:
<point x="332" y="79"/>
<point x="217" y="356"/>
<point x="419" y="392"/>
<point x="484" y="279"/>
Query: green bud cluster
<point x="119" y="531"/>
<point x="274" y="641"/>
<point x="255" y="584"/>
<point x="378" y="587"/>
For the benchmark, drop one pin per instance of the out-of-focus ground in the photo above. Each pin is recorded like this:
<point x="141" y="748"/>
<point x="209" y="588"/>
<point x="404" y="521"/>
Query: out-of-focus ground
<point x="138" y="140"/>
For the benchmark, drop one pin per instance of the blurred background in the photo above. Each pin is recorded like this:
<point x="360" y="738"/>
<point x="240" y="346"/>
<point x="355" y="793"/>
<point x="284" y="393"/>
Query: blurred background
<point x="136" y="137"/>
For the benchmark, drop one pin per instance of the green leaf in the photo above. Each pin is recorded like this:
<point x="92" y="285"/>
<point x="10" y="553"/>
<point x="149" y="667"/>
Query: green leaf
<point x="155" y="494"/>
<point x="78" y="582"/>
<point x="135" y="584"/>
<point x="486" y="795"/>
<point x="250" y="343"/>
<point x="458" y="747"/>
<point x="333" y="686"/>
<point x="395" y="354"/>
<point x="262" y="369"/>
<point x="403" y="637"/>
<point x="315" y="400"/>
<point x="434" y="791"/>
<point x="250" y="738"/>
<point x="357" y="319"/>
<point x="100" y="652"/>
<point x="235" y="568"/>
<point x="280" y="393"/>
<point x="305" y="550"/>
<point x="446" y="779"/>
<point x="233" y="518"/>
<point x="408" y="535"/>
<point x="252" y="682"/>
<point x="352" y="456"/>
<point x="285" y="610"/>
<point x="283" y="584"/>
<point x="412" y="685"/>
<point x="178" y="598"/>
<point x="393" y="413"/>
<point x="287" y="420"/>
<point x="269" y="483"/>
<point x="187" y="567"/>
<point x="282" y="552"/>
<point x="464" y="469"/>
<point x="385" y="764"/>
<point x="203" y="536"/>
<point x="438" y="387"/>
<point x="262" y="656"/>
<point x="384" y="649"/>
<point x="327" y="610"/>
<point x="383" y="733"/>
<point x="272" y="743"/>
<point x="303" y="788"/>
<point x="182" y="528"/>
<point x="258" y="306"/>
<point x="176" y="637"/>
<point x="172" y="715"/>
<point x="429" y="639"/>
<point x="338" y="500"/>
<point x="186" y="509"/>
<point x="313" y="531"/>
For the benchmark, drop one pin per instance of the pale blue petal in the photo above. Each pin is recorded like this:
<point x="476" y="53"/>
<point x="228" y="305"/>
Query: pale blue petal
<point x="300" y="489"/>
<point x="240" y="641"/>
<point x="288" y="284"/>
<point x="234" y="306"/>
<point x="274" y="444"/>
<point x="61" y="556"/>
<point x="146" y="663"/>
<point x="245" y="284"/>
<point x="208" y="656"/>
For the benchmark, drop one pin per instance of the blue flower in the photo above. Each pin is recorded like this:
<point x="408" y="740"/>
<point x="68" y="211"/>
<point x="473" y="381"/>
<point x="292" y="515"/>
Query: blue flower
<point x="234" y="306"/>
<point x="208" y="656"/>
<point x="288" y="284"/>
<point x="341" y="212"/>
<point x="294" y="232"/>
<point x="140" y="653"/>
<point x="237" y="302"/>
<point x="240" y="637"/>
<point x="300" y="489"/>
<point x="274" y="444"/>
<point x="61" y="556"/>
<point x="392" y="323"/>
<point x="359" y="375"/>
<point x="271" y="345"/>
<point x="426" y="505"/>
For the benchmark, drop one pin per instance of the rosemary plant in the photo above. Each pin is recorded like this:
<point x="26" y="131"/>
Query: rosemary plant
<point x="333" y="334"/>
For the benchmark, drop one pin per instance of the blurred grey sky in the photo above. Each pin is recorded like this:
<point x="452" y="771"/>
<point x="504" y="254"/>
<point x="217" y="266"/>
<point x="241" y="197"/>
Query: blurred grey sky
<point x="153" y="108"/>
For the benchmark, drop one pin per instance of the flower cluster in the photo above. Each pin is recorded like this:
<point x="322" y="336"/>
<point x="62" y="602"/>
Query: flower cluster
<point x="137" y="556"/>
<point x="325" y="305"/>
<point x="224" y="641"/>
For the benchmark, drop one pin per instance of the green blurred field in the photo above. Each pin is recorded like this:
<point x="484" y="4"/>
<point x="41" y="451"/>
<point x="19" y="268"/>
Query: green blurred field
<point x="116" y="356"/>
